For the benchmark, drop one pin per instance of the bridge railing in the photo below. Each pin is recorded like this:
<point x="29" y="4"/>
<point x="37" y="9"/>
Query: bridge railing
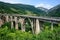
<point x="31" y="16"/>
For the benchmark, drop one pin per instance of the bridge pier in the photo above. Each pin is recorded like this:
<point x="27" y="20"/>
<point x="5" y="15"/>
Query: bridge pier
<point x="1" y="22"/>
<point x="22" y="20"/>
<point x="12" y="25"/>
<point x="16" y="23"/>
<point x="32" y="25"/>
<point x="11" y="19"/>
<point x="51" y="26"/>
<point x="7" y="18"/>
<point x="37" y="30"/>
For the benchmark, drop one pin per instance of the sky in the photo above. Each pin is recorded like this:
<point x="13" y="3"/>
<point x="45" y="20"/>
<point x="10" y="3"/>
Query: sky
<point x="37" y="3"/>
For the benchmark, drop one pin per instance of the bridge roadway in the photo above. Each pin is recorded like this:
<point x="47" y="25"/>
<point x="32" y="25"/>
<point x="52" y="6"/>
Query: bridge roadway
<point x="41" y="18"/>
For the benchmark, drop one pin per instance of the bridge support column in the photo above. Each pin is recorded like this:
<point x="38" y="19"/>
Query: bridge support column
<point x="11" y="22"/>
<point x="51" y="26"/>
<point x="31" y="22"/>
<point x="16" y="23"/>
<point x="1" y="22"/>
<point x="22" y="24"/>
<point x="7" y="18"/>
<point x="32" y="27"/>
<point x="12" y="25"/>
<point x="37" y="31"/>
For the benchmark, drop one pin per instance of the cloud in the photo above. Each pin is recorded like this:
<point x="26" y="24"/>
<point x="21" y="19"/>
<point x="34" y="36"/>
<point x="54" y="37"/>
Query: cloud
<point x="44" y="5"/>
<point x="10" y="1"/>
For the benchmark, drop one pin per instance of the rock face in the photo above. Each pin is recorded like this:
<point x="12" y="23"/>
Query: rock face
<point x="1" y="22"/>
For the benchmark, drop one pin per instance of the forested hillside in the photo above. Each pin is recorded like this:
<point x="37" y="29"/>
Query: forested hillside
<point x="20" y="9"/>
<point x="55" y="11"/>
<point x="24" y="9"/>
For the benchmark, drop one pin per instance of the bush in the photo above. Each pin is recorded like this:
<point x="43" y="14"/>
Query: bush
<point x="12" y="34"/>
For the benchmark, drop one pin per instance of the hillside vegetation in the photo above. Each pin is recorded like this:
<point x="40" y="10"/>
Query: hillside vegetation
<point x="55" y="11"/>
<point x="12" y="34"/>
<point x="20" y="9"/>
<point x="24" y="9"/>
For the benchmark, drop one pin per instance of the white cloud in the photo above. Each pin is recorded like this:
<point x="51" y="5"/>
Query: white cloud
<point x="10" y="1"/>
<point x="44" y="5"/>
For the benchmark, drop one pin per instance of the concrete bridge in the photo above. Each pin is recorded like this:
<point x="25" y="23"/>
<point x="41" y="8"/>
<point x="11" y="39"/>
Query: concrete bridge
<point x="35" y="21"/>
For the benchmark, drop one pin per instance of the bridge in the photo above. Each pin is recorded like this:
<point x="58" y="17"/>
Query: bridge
<point x="35" y="21"/>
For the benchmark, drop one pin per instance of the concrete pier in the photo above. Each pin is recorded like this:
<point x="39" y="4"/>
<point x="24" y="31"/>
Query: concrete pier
<point x="16" y="23"/>
<point x="37" y="27"/>
<point x="22" y="24"/>
<point x="11" y="19"/>
<point x="7" y="18"/>
<point x="51" y="26"/>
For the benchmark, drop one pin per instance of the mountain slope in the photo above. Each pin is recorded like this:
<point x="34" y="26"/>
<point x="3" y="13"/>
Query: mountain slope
<point x="20" y="9"/>
<point x="44" y="9"/>
<point x="55" y="11"/>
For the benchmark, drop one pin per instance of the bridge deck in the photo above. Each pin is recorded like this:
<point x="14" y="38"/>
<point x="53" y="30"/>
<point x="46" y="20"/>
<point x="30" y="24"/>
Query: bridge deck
<point x="43" y="18"/>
